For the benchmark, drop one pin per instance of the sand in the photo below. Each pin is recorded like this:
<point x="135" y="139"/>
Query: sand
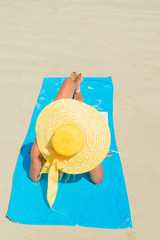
<point x="97" y="38"/>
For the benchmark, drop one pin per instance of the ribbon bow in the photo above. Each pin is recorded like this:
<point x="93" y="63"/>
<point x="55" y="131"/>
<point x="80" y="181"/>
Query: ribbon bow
<point x="52" y="169"/>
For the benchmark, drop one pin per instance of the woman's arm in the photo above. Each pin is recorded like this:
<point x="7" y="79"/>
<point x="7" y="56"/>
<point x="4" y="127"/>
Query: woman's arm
<point x="97" y="174"/>
<point x="36" y="164"/>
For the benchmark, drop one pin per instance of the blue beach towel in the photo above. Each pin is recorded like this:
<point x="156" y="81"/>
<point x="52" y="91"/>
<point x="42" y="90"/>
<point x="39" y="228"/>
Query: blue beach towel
<point x="79" y="202"/>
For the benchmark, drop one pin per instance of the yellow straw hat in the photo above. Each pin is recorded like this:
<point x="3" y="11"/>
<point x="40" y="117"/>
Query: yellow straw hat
<point x="73" y="137"/>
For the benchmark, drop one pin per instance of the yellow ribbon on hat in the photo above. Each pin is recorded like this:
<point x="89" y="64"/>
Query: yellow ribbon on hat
<point x="66" y="141"/>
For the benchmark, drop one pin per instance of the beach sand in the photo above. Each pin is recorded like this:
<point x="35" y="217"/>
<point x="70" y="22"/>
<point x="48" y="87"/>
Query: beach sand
<point x="97" y="38"/>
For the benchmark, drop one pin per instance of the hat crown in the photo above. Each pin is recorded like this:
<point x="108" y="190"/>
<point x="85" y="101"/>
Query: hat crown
<point x="67" y="140"/>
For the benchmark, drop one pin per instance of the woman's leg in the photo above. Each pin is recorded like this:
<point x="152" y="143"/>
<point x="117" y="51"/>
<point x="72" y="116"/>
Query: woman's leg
<point x="66" y="91"/>
<point x="78" y="97"/>
<point x="69" y="86"/>
<point x="96" y="175"/>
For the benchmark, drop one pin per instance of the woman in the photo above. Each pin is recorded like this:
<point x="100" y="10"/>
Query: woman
<point x="69" y="87"/>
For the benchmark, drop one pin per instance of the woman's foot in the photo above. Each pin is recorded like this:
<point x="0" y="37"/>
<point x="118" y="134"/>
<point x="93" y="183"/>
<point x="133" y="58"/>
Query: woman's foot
<point x="78" y="81"/>
<point x="73" y="76"/>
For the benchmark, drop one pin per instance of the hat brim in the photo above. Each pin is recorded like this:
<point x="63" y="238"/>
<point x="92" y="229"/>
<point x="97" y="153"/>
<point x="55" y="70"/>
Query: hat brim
<point x="89" y="119"/>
